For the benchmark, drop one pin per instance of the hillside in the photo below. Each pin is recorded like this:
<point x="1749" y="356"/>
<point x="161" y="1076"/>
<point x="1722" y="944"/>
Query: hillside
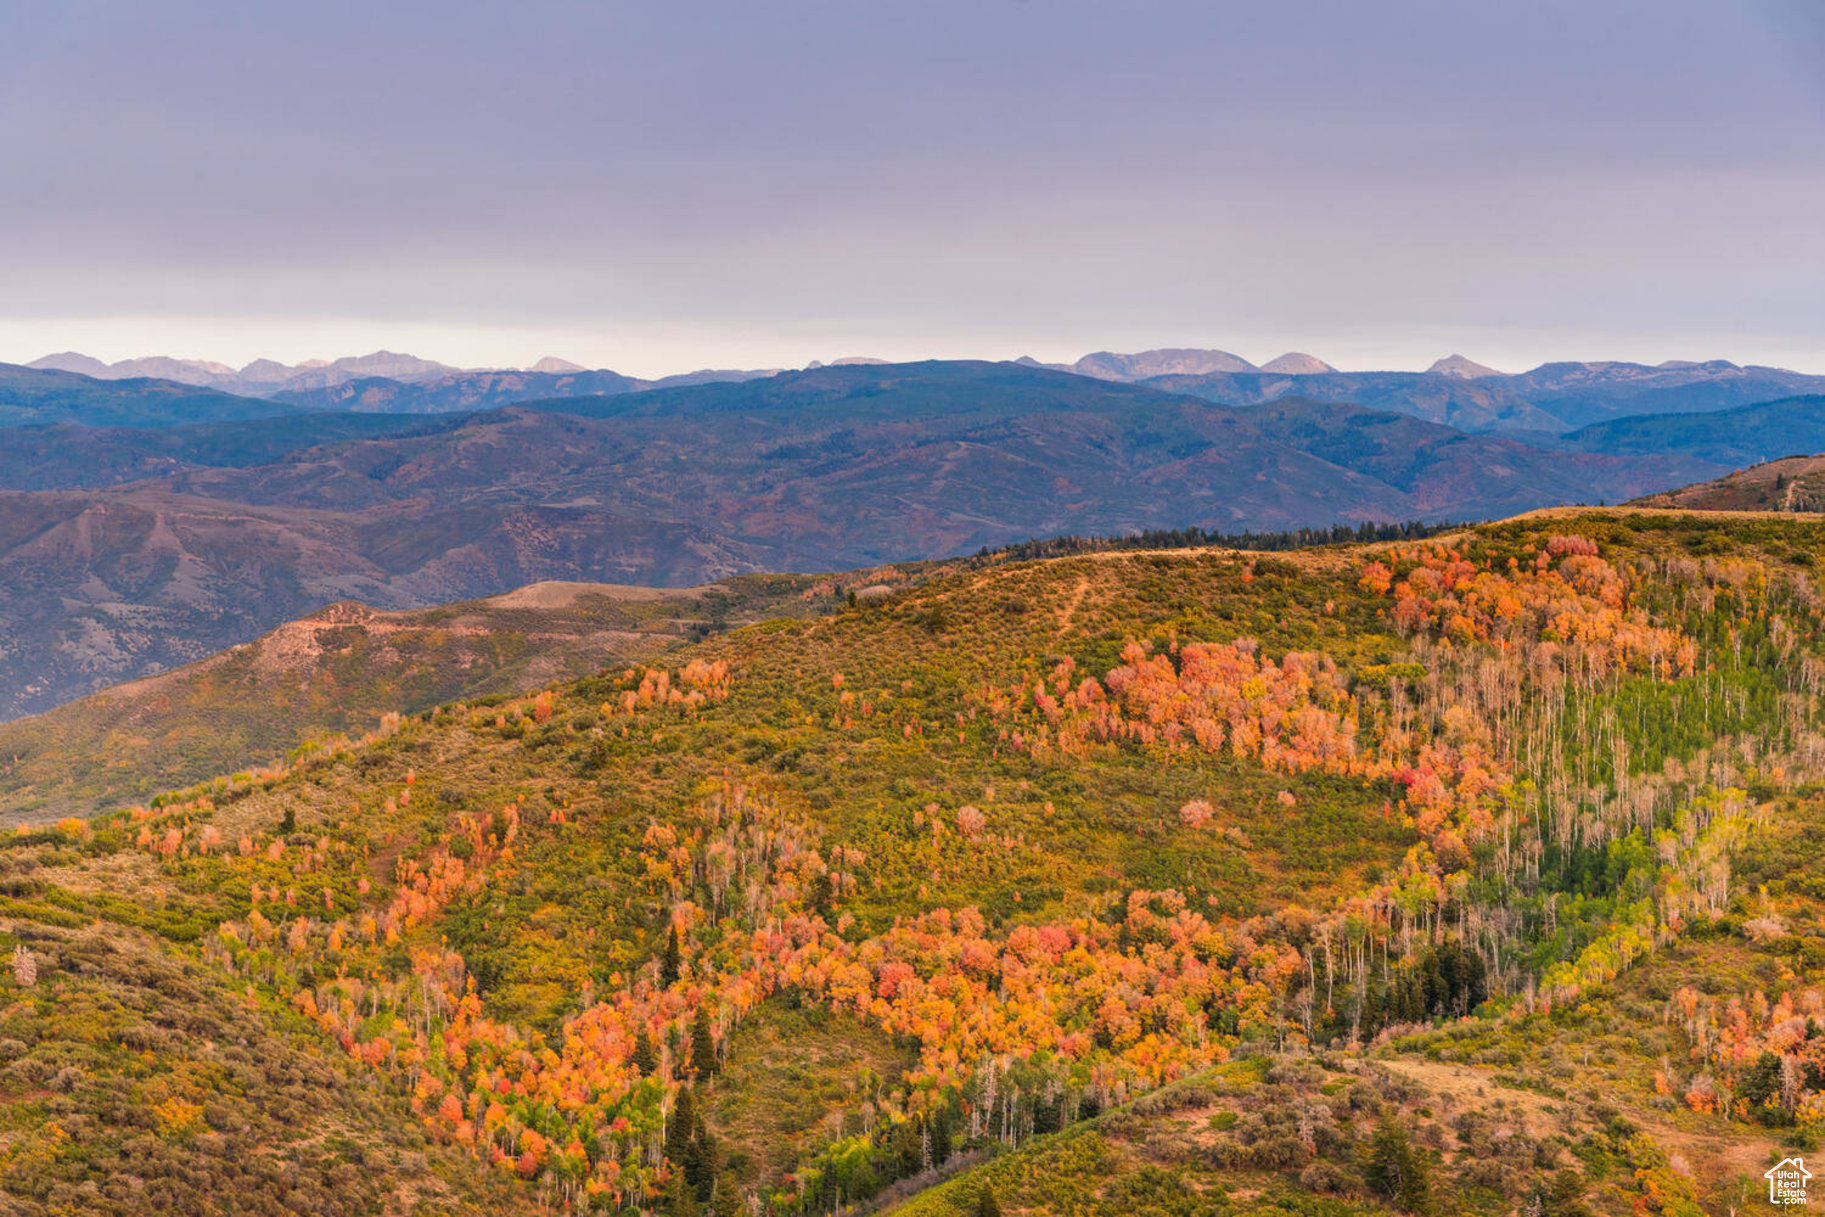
<point x="1747" y="436"/>
<point x="101" y="587"/>
<point x="1796" y="483"/>
<point x="43" y="395"/>
<point x="339" y="671"/>
<point x="72" y="456"/>
<point x="1443" y="876"/>
<point x="834" y="468"/>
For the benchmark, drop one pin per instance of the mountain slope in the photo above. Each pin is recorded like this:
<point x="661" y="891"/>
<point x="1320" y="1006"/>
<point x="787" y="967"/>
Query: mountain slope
<point x="1468" y="876"/>
<point x="41" y="395"/>
<point x="102" y="587"/>
<point x="1552" y="398"/>
<point x="1745" y="436"/>
<point x="1443" y="469"/>
<point x="72" y="456"/>
<point x="1172" y="361"/>
<point x="1794" y="483"/>
<point x="1297" y="363"/>
<point x="340" y="670"/>
<point x="1461" y="367"/>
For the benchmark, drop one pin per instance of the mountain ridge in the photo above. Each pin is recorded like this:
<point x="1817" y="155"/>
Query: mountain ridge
<point x="241" y="526"/>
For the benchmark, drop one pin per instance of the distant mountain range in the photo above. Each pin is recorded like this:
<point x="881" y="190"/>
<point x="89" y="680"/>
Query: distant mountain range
<point x="128" y="550"/>
<point x="1550" y="399"/>
<point x="373" y="373"/>
<point x="145" y="523"/>
<point x="259" y="378"/>
<point x="1545" y="401"/>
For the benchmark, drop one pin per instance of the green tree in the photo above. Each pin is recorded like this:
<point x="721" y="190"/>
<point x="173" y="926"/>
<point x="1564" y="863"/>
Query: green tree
<point x="986" y="1204"/>
<point x="688" y="1147"/>
<point x="1396" y="1171"/>
<point x="681" y="1198"/>
<point x="823" y="894"/>
<point x="672" y="960"/>
<point x="728" y="1197"/>
<point x="678" y="1130"/>
<point x="703" y="1045"/>
<point x="646" y="1057"/>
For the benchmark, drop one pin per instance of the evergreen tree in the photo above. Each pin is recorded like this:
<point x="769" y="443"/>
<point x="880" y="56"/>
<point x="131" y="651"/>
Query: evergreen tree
<point x="646" y="1058"/>
<point x="672" y="960"/>
<point x="822" y="894"/>
<point x="680" y="1198"/>
<point x="728" y="1197"/>
<point x="941" y="1136"/>
<point x="986" y="1205"/>
<point x="1396" y="1171"/>
<point x="1415" y="1195"/>
<point x="703" y="1045"/>
<point x="688" y="1147"/>
<point x="678" y="1130"/>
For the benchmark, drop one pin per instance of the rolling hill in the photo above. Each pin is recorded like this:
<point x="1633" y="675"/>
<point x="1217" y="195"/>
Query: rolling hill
<point x="1463" y="876"/>
<point x="43" y="395"/>
<point x="837" y="467"/>
<point x="342" y="669"/>
<point x="1794" y="483"/>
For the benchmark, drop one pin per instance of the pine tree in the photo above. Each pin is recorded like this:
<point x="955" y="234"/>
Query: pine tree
<point x="1388" y="1153"/>
<point x="672" y="961"/>
<point x="681" y="1198"/>
<point x="728" y="1197"/>
<point x="1396" y="1171"/>
<point x="646" y="1058"/>
<point x="688" y="1147"/>
<point x="986" y="1205"/>
<point x="703" y="1045"/>
<point x="678" y="1131"/>
<point x="941" y="1136"/>
<point x="1415" y="1195"/>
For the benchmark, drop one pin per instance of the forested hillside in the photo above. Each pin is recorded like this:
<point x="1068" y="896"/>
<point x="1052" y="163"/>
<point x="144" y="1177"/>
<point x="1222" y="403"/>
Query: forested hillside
<point x="1461" y="874"/>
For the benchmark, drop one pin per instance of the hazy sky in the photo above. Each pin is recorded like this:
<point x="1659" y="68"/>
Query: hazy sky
<point x="664" y="185"/>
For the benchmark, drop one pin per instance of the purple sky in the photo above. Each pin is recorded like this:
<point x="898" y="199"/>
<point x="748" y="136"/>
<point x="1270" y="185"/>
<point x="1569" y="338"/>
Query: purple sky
<point x="661" y="185"/>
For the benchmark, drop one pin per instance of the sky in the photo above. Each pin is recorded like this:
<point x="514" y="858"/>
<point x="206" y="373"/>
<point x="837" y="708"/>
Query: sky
<point x="666" y="185"/>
